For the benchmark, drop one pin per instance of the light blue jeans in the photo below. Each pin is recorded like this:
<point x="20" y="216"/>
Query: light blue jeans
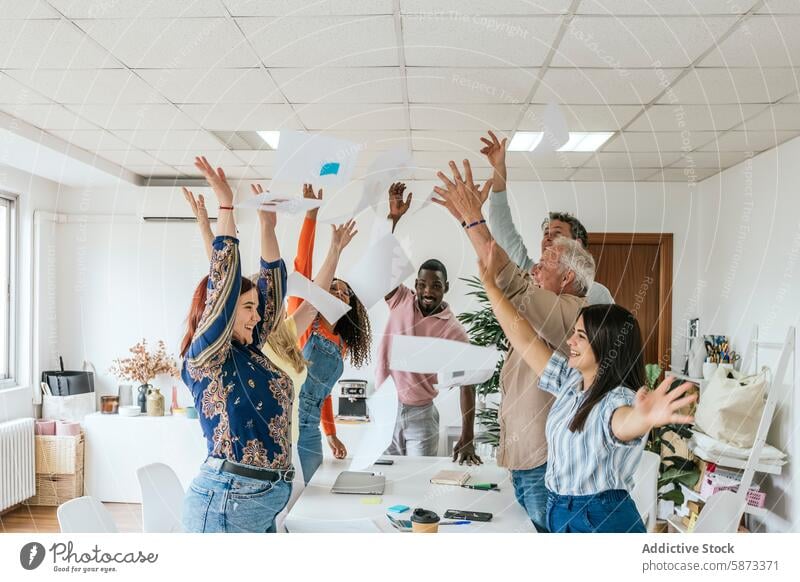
<point x="325" y="367"/>
<point x="222" y="502"/>
<point x="531" y="493"/>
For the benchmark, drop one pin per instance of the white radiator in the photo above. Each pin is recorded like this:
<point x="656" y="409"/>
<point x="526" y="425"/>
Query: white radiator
<point x="17" y="458"/>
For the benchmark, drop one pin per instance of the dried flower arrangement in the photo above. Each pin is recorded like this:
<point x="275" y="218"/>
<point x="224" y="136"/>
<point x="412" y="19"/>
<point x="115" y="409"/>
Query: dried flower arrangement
<point x="143" y="366"/>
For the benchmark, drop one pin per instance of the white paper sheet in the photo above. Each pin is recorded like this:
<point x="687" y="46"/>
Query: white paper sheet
<point x="555" y="131"/>
<point x="382" y="268"/>
<point x="328" y="306"/>
<point x="386" y="169"/>
<point x="318" y="159"/>
<point x="430" y="355"/>
<point x="308" y="525"/>
<point x="280" y="204"/>
<point x="449" y="378"/>
<point x="382" y="407"/>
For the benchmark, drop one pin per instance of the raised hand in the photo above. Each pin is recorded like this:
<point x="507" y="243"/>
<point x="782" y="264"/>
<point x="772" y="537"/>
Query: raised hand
<point x="660" y="406"/>
<point x="216" y="179"/>
<point x="267" y="219"/>
<point x="343" y="234"/>
<point x="198" y="206"/>
<point x="494" y="150"/>
<point x="398" y="207"/>
<point x="462" y="196"/>
<point x="308" y="192"/>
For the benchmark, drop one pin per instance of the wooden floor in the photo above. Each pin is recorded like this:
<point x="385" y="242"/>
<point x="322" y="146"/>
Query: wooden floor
<point x="41" y="519"/>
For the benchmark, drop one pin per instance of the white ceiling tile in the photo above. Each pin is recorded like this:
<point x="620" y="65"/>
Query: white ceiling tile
<point x="308" y="7"/>
<point x="663" y="7"/>
<point x="133" y="9"/>
<point x="12" y="91"/>
<point x="465" y="8"/>
<point x="694" y="117"/>
<point x="542" y="174"/>
<point x="502" y="41"/>
<point x="780" y="7"/>
<point x="469" y="85"/>
<point x="88" y="85"/>
<point x="551" y="160"/>
<point x="28" y="10"/>
<point x="235" y="117"/>
<point x="130" y="157"/>
<point x="748" y="141"/>
<point x="778" y="117"/>
<point x="710" y="159"/>
<point x="733" y="85"/>
<point x="172" y="43"/>
<point x="632" y="160"/>
<point x="46" y="116"/>
<point x="602" y="86"/>
<point x="373" y="140"/>
<point x="686" y="175"/>
<point x="259" y="158"/>
<point x="312" y="41"/>
<point x="234" y="173"/>
<point x="793" y="98"/>
<point x="667" y="141"/>
<point x="438" y="160"/>
<point x="467" y="142"/>
<point x="611" y="174"/>
<point x="462" y="116"/>
<point x="638" y="41"/>
<point x="583" y="117"/>
<point x="341" y="85"/>
<point x="92" y="140"/>
<point x="352" y="116"/>
<point x="760" y="41"/>
<point x="186" y="158"/>
<point x="164" y="117"/>
<point x="192" y="140"/>
<point x="153" y="170"/>
<point x="49" y="44"/>
<point x="213" y="85"/>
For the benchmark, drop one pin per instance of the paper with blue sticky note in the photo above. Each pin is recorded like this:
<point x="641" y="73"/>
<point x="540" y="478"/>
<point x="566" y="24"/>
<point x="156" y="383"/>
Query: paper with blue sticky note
<point x="329" y="168"/>
<point x="315" y="158"/>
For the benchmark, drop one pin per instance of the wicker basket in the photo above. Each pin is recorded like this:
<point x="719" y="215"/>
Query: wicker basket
<point x="59" y="455"/>
<point x="56" y="489"/>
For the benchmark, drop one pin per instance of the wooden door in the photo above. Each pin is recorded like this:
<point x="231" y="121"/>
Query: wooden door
<point x="637" y="269"/>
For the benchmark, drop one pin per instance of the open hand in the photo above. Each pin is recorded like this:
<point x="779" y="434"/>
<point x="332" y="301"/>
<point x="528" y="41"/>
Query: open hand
<point x="398" y="207"/>
<point x="659" y="407"/>
<point x="494" y="150"/>
<point x="343" y="234"/>
<point x="462" y="194"/>
<point x="267" y="219"/>
<point x="464" y="452"/>
<point x="198" y="206"/>
<point x="217" y="180"/>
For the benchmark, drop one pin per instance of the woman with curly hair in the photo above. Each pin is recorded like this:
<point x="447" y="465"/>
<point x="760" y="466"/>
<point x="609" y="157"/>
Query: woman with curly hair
<point x="324" y="347"/>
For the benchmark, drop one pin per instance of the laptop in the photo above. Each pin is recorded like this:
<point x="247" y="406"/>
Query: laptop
<point x="359" y="483"/>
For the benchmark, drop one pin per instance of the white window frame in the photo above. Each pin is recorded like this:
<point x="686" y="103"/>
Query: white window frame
<point x="12" y="200"/>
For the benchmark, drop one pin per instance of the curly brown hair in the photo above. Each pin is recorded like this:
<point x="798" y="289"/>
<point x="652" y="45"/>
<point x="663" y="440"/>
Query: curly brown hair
<point x="355" y="330"/>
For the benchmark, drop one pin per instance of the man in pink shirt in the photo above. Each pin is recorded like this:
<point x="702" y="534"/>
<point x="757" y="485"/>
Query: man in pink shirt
<point x="424" y="313"/>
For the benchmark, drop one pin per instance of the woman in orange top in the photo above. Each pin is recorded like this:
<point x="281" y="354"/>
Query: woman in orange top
<point x="324" y="347"/>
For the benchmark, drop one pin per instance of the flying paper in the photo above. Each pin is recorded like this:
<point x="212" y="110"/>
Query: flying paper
<point x="382" y="406"/>
<point x="280" y="204"/>
<point x="380" y="270"/>
<point x="328" y="306"/>
<point x="555" y="132"/>
<point x="382" y="172"/>
<point x="430" y="355"/>
<point x="449" y="378"/>
<point x="315" y="158"/>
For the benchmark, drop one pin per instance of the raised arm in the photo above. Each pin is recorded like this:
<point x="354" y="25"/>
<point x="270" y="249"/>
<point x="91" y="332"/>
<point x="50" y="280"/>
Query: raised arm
<point x="652" y="408"/>
<point x="200" y="212"/>
<point x="303" y="260"/>
<point x="397" y="208"/>
<point x="226" y="223"/>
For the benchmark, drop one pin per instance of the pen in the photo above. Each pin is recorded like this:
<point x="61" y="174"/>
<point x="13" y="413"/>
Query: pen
<point x="482" y="486"/>
<point x="461" y="522"/>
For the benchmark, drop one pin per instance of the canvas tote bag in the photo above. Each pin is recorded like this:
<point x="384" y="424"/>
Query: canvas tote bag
<point x="730" y="408"/>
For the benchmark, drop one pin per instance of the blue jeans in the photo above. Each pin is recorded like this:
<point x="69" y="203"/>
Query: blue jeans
<point x="325" y="367"/>
<point x="532" y="494"/>
<point x="606" y="512"/>
<point x="222" y="502"/>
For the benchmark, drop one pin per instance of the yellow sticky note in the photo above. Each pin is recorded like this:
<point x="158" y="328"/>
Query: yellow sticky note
<point x="371" y="500"/>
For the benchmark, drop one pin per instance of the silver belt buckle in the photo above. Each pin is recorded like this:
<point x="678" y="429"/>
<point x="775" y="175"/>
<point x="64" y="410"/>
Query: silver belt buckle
<point x="288" y="475"/>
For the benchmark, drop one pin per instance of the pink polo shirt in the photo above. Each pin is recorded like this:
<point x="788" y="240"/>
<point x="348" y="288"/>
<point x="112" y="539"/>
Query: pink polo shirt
<point x="405" y="318"/>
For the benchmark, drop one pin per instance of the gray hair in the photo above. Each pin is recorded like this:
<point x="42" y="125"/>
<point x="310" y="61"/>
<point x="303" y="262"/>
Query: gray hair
<point x="573" y="257"/>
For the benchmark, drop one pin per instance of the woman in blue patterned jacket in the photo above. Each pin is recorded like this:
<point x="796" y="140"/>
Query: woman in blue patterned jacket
<point x="244" y="401"/>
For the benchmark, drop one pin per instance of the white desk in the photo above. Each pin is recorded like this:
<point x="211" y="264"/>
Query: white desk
<point x="408" y="483"/>
<point x="118" y="445"/>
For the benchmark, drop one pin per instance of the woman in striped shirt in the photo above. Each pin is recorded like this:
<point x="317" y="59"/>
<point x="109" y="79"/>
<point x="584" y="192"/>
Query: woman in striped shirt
<point x="598" y="422"/>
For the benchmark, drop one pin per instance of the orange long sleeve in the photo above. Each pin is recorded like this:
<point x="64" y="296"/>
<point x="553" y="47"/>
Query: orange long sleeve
<point x="304" y="258"/>
<point x="326" y="417"/>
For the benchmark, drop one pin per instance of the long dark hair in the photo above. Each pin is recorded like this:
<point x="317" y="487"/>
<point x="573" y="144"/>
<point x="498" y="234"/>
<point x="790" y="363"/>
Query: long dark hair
<point x="616" y="342"/>
<point x="197" y="308"/>
<point x="355" y="331"/>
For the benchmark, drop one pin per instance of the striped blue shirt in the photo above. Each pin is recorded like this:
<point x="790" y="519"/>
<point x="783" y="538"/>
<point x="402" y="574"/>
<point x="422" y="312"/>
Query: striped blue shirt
<point x="592" y="460"/>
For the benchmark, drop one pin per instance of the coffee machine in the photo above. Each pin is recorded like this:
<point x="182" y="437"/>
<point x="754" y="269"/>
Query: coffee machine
<point x="353" y="400"/>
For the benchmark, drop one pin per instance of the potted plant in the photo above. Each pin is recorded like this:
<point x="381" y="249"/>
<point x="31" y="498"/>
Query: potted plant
<point x="143" y="366"/>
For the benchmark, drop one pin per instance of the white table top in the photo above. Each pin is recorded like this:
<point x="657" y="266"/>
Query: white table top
<point x="407" y="483"/>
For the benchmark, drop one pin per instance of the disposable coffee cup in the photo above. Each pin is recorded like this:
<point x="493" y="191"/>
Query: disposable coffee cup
<point x="424" y="521"/>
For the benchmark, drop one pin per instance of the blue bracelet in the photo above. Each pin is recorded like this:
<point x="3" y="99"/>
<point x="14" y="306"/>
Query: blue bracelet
<point x="482" y="221"/>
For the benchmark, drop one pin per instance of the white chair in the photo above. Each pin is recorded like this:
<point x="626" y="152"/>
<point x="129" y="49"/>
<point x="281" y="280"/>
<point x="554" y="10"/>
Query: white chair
<point x="85" y="515"/>
<point x="645" y="489"/>
<point x="162" y="499"/>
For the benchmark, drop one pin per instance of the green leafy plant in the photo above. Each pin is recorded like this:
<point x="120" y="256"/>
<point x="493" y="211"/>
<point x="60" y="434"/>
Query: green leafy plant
<point x="674" y="469"/>
<point x="484" y="330"/>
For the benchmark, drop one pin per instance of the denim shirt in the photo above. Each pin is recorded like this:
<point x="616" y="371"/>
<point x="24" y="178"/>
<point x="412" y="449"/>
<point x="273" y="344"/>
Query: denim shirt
<point x="244" y="401"/>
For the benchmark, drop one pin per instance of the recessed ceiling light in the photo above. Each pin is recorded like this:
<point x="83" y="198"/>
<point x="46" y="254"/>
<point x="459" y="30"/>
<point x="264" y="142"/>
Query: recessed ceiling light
<point x="271" y="137"/>
<point x="579" y="141"/>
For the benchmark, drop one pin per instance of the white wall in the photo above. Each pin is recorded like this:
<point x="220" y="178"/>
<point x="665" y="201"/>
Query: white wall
<point x="750" y="265"/>
<point x="121" y="279"/>
<point x="33" y="194"/>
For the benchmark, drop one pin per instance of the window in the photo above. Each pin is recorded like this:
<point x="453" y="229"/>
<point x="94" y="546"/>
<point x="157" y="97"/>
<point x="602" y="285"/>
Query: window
<point x="8" y="248"/>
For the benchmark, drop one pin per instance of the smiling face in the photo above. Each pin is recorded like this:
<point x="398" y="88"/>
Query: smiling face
<point x="430" y="287"/>
<point x="340" y="290"/>
<point x="547" y="273"/>
<point x="247" y="317"/>
<point x="581" y="355"/>
<point x="552" y="230"/>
